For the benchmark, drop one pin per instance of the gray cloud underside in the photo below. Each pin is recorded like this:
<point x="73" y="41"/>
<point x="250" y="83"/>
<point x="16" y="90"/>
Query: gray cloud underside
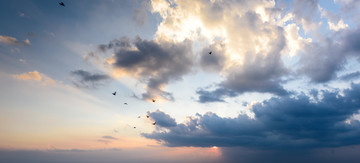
<point x="162" y="119"/>
<point x="154" y="63"/>
<point x="282" y="122"/>
<point x="86" y="79"/>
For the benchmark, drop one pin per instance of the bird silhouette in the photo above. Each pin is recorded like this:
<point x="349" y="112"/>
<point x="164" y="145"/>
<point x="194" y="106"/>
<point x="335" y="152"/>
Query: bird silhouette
<point x="134" y="127"/>
<point x="114" y="93"/>
<point x="154" y="123"/>
<point x="210" y="53"/>
<point x="139" y="116"/>
<point x="62" y="4"/>
<point x="125" y="103"/>
<point x="153" y="100"/>
<point x="147" y="116"/>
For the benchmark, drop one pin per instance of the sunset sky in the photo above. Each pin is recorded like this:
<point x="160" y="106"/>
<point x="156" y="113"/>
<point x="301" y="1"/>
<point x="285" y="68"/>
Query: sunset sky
<point x="281" y="84"/>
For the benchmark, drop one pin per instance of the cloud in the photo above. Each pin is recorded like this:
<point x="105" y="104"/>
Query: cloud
<point x="304" y="11"/>
<point x="214" y="96"/>
<point x="140" y="13"/>
<point x="215" y="61"/>
<point x="86" y="79"/>
<point x="350" y="76"/>
<point x="22" y="61"/>
<point x="29" y="76"/>
<point x="13" y="41"/>
<point x="249" y="40"/>
<point x="21" y="14"/>
<point x="329" y="155"/>
<point x="334" y="21"/>
<point x="246" y="36"/>
<point x="321" y="61"/>
<point x="153" y="62"/>
<point x="280" y="123"/>
<point x="35" y="76"/>
<point x="348" y="4"/>
<point x="258" y="73"/>
<point x="162" y="119"/>
<point x="109" y="137"/>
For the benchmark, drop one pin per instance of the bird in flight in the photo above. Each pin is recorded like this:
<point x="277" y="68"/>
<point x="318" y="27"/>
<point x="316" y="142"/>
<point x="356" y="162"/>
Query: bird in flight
<point x="139" y="116"/>
<point x="153" y="100"/>
<point x="134" y="127"/>
<point x="147" y="116"/>
<point x="125" y="103"/>
<point x="154" y="123"/>
<point x="210" y="53"/>
<point x="114" y="93"/>
<point x="62" y="4"/>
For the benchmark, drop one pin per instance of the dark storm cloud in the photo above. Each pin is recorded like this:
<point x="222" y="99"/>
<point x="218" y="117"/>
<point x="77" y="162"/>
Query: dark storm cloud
<point x="259" y="73"/>
<point x="321" y="62"/>
<point x="329" y="155"/>
<point x="86" y="79"/>
<point x="155" y="63"/>
<point x="280" y="123"/>
<point x="162" y="119"/>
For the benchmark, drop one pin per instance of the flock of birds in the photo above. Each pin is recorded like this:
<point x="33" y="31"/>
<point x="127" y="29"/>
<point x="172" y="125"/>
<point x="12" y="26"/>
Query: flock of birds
<point x="147" y="116"/>
<point x="114" y="93"/>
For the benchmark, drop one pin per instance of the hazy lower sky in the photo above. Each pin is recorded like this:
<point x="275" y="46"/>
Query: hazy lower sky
<point x="233" y="81"/>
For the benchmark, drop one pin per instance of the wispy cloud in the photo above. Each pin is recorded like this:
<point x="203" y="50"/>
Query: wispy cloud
<point x="109" y="137"/>
<point x="13" y="41"/>
<point x="35" y="76"/>
<point x="86" y="79"/>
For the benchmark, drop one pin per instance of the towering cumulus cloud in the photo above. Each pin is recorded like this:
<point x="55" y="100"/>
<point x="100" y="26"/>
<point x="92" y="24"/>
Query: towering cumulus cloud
<point x="246" y="38"/>
<point x="251" y="44"/>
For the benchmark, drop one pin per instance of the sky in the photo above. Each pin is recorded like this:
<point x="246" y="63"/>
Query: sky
<point x="195" y="80"/>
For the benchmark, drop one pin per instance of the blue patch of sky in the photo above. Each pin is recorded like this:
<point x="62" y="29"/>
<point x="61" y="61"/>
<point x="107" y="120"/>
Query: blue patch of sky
<point x="55" y="27"/>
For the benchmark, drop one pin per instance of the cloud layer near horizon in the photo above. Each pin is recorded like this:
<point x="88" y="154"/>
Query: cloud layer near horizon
<point x="302" y="121"/>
